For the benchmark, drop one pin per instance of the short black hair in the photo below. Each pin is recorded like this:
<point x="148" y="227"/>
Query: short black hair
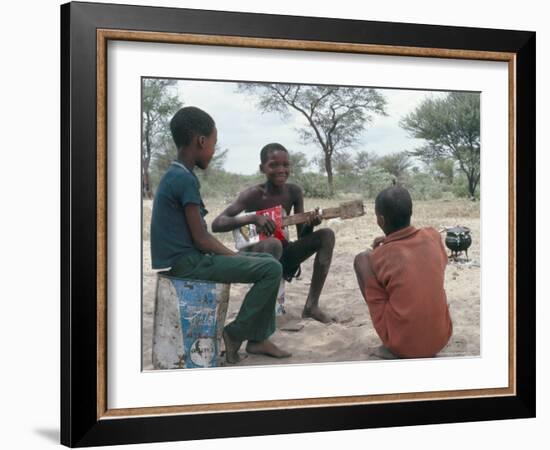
<point x="270" y="148"/>
<point x="188" y="122"/>
<point x="395" y="204"/>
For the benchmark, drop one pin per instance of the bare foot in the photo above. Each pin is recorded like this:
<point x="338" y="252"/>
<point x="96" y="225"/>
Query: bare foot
<point x="383" y="352"/>
<point x="316" y="313"/>
<point x="231" y="349"/>
<point x="266" y="348"/>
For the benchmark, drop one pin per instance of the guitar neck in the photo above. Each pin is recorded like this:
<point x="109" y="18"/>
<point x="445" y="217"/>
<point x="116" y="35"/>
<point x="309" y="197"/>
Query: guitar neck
<point x="300" y="218"/>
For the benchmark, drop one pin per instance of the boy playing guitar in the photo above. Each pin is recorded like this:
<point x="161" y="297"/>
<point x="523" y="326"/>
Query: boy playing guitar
<point x="275" y="165"/>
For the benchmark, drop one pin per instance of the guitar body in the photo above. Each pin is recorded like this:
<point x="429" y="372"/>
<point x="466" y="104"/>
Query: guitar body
<point x="248" y="235"/>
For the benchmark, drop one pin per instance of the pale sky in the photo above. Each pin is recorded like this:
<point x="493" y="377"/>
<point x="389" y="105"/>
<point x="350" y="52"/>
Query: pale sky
<point x="243" y="129"/>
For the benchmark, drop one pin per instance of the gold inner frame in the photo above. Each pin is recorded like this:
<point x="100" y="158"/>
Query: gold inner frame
<point x="103" y="36"/>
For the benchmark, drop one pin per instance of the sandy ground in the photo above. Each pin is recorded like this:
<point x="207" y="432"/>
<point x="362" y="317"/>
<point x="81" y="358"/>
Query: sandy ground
<point x="352" y="337"/>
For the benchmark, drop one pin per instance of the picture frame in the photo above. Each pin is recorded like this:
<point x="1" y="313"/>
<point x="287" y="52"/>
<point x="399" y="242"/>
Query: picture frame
<point x="86" y="418"/>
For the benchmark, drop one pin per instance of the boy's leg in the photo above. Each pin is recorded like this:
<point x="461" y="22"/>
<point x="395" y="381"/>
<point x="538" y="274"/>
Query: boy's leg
<point x="383" y="352"/>
<point x="271" y="245"/>
<point x="322" y="243"/>
<point x="363" y="270"/>
<point x="256" y="318"/>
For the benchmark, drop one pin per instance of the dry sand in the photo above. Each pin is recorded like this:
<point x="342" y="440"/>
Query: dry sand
<point x="352" y="337"/>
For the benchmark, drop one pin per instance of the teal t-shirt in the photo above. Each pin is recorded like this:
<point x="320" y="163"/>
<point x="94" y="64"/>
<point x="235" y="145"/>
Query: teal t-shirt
<point x="170" y="236"/>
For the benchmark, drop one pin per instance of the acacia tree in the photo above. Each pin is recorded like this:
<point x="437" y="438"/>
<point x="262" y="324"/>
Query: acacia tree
<point x="450" y="125"/>
<point x="336" y="116"/>
<point x="159" y="104"/>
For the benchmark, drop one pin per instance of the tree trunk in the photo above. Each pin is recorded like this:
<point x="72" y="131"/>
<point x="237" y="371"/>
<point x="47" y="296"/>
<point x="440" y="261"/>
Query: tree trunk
<point x="472" y="184"/>
<point x="146" y="191"/>
<point x="328" y="168"/>
<point x="471" y="177"/>
<point x="146" y="187"/>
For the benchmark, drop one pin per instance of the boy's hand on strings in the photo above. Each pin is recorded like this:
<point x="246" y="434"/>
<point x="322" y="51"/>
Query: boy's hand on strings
<point x="314" y="218"/>
<point x="264" y="224"/>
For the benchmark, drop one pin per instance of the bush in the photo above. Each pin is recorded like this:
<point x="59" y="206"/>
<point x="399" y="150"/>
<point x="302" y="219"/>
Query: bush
<point x="313" y="184"/>
<point x="423" y="186"/>
<point x="220" y="183"/>
<point x="460" y="188"/>
<point x="352" y="184"/>
<point x="374" y="180"/>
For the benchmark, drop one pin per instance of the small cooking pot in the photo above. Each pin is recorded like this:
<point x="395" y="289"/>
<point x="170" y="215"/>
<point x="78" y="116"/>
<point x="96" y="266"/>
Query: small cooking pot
<point x="458" y="239"/>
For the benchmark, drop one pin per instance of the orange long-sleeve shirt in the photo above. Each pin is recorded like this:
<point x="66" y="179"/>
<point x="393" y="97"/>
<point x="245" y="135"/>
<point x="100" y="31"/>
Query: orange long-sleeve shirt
<point x="406" y="297"/>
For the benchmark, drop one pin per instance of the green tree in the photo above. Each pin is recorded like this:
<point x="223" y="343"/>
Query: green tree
<point x="364" y="160"/>
<point x="343" y="163"/>
<point x="450" y="125"/>
<point x="159" y="104"/>
<point x="336" y="116"/>
<point x="160" y="161"/>
<point x="298" y="163"/>
<point x="396" y="164"/>
<point x="443" y="170"/>
<point x="374" y="180"/>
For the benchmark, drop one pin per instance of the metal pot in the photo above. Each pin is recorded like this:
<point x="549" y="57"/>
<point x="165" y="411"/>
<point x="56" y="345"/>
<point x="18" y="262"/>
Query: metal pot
<point x="458" y="239"/>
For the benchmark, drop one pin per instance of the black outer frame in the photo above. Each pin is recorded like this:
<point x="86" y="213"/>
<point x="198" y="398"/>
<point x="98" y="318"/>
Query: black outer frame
<point x="79" y="423"/>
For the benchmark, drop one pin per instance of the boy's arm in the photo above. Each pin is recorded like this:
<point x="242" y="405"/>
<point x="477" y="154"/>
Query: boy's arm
<point x="202" y="239"/>
<point x="373" y="292"/>
<point x="366" y="277"/>
<point x="228" y="219"/>
<point x="298" y="202"/>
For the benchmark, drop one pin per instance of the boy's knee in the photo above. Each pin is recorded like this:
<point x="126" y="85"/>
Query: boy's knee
<point x="274" y="247"/>
<point x="327" y="237"/>
<point x="273" y="267"/>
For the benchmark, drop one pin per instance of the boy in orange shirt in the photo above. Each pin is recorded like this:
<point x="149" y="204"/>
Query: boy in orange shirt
<point x="402" y="281"/>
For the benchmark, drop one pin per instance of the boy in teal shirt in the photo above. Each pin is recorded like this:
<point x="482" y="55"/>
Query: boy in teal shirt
<point x="181" y="242"/>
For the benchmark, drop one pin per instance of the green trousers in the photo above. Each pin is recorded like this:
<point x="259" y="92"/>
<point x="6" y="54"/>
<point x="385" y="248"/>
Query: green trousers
<point x="256" y="318"/>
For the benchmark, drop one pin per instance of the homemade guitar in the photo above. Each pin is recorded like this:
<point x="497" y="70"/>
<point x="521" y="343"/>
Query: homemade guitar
<point x="249" y="235"/>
